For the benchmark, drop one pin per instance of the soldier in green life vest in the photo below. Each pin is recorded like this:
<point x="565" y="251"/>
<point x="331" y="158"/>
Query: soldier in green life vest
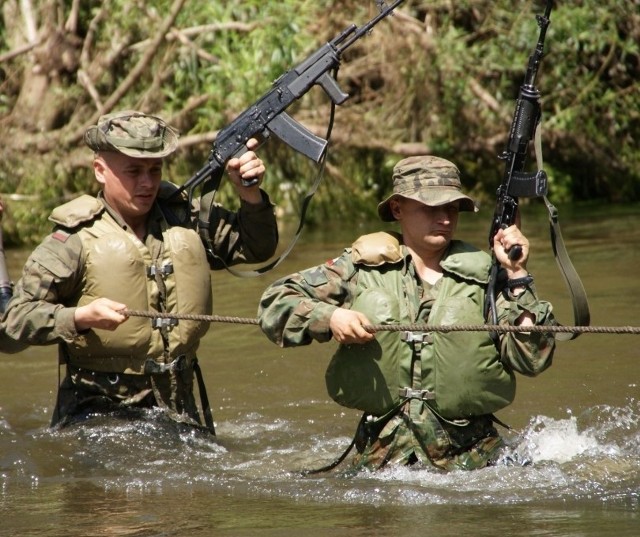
<point x="427" y="398"/>
<point x="134" y="246"/>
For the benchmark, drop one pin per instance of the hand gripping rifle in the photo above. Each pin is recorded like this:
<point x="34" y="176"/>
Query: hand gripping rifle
<point x="267" y="115"/>
<point x="516" y="182"/>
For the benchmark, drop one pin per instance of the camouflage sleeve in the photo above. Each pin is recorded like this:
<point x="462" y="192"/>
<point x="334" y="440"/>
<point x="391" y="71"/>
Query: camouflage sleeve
<point x="296" y="309"/>
<point x="528" y="353"/>
<point x="40" y="312"/>
<point x="249" y="235"/>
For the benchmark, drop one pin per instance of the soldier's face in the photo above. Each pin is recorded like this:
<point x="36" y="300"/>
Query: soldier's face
<point x="130" y="185"/>
<point x="424" y="227"/>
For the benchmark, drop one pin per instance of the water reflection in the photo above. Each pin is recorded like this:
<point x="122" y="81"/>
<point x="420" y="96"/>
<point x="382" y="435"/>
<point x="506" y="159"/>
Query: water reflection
<point x="572" y="468"/>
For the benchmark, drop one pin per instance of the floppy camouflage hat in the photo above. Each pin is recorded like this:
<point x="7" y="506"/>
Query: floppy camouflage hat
<point x="132" y="133"/>
<point x="431" y="180"/>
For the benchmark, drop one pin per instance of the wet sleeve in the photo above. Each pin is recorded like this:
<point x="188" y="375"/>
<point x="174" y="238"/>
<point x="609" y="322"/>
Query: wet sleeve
<point x="528" y="353"/>
<point x="41" y="310"/>
<point x="295" y="310"/>
<point x="249" y="235"/>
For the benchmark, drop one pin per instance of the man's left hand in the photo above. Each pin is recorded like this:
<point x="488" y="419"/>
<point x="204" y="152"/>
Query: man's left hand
<point x="249" y="168"/>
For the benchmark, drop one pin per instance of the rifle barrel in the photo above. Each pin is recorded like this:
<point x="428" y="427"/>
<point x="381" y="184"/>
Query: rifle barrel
<point x="367" y="27"/>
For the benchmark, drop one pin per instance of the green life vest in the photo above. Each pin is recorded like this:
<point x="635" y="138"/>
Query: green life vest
<point x="458" y="374"/>
<point x="118" y="266"/>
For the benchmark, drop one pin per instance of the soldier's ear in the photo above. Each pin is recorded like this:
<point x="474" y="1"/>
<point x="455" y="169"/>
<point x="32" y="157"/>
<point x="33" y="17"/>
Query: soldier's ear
<point x="99" y="167"/>
<point x="394" y="207"/>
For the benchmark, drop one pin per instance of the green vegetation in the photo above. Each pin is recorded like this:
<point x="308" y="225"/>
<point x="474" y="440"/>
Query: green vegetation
<point x="438" y="77"/>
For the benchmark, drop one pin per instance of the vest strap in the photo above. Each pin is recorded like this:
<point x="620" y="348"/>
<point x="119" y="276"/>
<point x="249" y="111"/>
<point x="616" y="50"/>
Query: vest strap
<point x="204" y="399"/>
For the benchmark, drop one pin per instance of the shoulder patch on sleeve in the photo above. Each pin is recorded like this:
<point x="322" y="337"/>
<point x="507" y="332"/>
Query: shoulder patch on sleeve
<point x="60" y="235"/>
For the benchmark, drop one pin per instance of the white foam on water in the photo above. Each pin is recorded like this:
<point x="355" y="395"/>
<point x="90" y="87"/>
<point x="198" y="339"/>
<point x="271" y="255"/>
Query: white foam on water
<point x="558" y="440"/>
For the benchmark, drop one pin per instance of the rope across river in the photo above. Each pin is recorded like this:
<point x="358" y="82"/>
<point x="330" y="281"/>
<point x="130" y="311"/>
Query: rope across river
<point x="405" y="327"/>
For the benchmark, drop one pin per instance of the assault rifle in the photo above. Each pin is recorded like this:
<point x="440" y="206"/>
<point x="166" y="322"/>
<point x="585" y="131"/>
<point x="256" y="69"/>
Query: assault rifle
<point x="267" y="115"/>
<point x="516" y="183"/>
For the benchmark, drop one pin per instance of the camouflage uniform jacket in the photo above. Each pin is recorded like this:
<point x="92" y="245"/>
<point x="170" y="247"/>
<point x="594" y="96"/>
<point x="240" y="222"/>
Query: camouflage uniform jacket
<point x="296" y="310"/>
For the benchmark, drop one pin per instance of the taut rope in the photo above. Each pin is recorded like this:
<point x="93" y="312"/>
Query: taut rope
<point x="406" y="327"/>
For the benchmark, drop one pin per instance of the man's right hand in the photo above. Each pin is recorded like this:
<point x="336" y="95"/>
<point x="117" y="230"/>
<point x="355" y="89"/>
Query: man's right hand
<point x="101" y="313"/>
<point x="347" y="327"/>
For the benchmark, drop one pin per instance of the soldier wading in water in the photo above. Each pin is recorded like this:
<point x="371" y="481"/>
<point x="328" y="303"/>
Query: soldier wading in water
<point x="135" y="247"/>
<point x="427" y="398"/>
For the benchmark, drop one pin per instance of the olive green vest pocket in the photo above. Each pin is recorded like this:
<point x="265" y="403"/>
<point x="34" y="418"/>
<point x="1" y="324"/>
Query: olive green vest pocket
<point x="363" y="376"/>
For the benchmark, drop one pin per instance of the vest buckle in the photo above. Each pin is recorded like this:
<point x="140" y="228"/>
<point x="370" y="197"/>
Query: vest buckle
<point x="151" y="367"/>
<point x="424" y="395"/>
<point x="164" y="322"/>
<point x="164" y="270"/>
<point x="413" y="337"/>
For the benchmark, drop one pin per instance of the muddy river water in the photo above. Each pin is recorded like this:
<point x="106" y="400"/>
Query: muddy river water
<point x="577" y="426"/>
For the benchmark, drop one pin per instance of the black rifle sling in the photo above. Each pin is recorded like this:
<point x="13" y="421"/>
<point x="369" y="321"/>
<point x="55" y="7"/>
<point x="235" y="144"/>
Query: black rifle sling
<point x="266" y="268"/>
<point x="208" y="194"/>
<point x="207" y="197"/>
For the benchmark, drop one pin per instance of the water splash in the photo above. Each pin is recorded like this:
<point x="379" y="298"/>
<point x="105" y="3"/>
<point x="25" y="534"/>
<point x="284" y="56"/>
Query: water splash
<point x="552" y="440"/>
<point x="593" y="455"/>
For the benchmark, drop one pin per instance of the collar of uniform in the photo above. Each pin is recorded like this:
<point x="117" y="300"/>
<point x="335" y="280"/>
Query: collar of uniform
<point x="112" y="213"/>
<point x="154" y="219"/>
<point x="407" y="259"/>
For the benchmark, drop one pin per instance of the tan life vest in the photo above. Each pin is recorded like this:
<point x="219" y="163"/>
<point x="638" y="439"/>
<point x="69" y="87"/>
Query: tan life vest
<point x="119" y="266"/>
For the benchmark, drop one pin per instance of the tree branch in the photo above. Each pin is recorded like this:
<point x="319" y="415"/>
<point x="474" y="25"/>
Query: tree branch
<point x="86" y="82"/>
<point x="137" y="71"/>
<point x="182" y="37"/>
<point x="16" y="52"/>
<point x="29" y="20"/>
<point x="72" y="21"/>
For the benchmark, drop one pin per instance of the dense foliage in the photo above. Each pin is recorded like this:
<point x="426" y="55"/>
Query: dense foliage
<point x="438" y="77"/>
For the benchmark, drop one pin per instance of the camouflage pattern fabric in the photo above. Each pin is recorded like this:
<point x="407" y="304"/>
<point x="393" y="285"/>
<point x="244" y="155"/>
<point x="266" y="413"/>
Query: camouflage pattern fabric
<point x="84" y="392"/>
<point x="430" y="180"/>
<point x="132" y="133"/>
<point x="427" y="441"/>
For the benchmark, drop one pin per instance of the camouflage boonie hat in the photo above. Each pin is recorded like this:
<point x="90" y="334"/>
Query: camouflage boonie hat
<point x="132" y="133"/>
<point x="430" y="180"/>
